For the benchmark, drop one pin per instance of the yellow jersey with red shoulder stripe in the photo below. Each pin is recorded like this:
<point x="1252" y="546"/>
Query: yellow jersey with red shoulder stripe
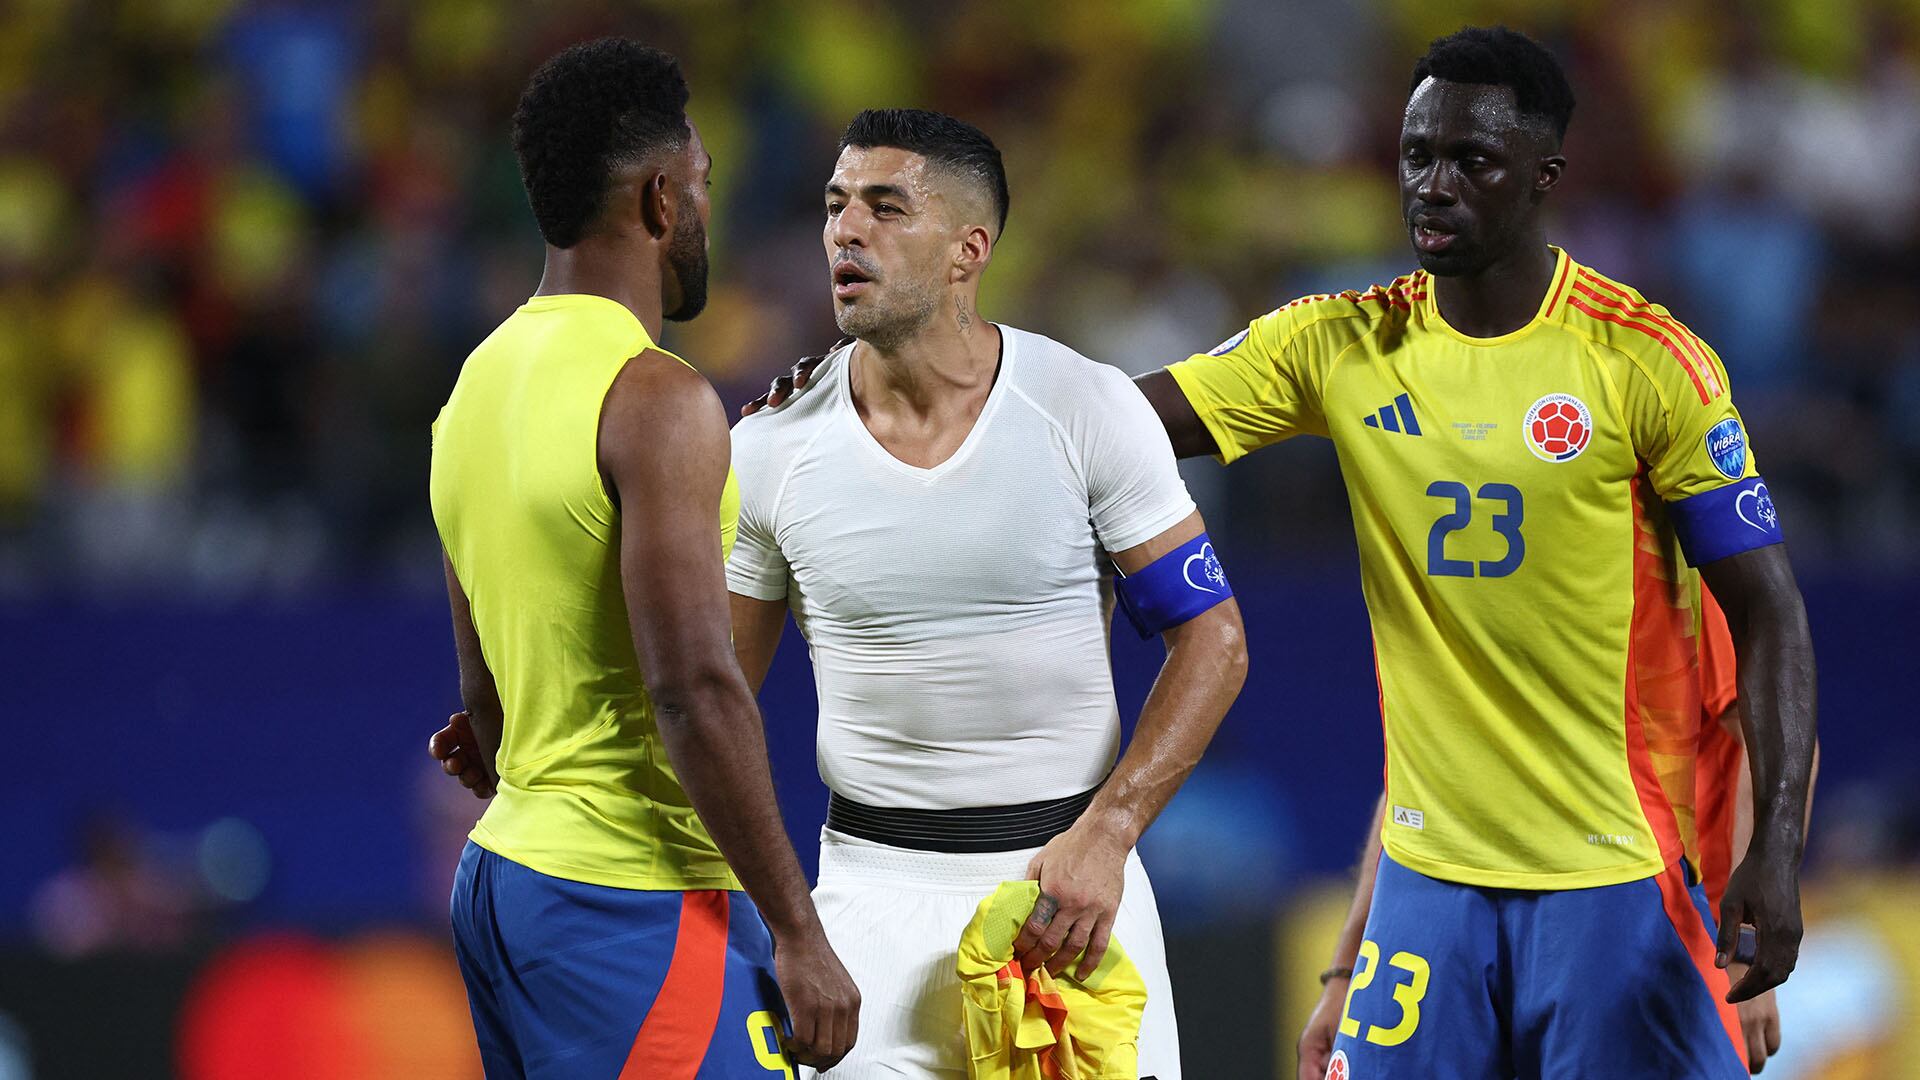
<point x="586" y="791"/>
<point x="1527" y="508"/>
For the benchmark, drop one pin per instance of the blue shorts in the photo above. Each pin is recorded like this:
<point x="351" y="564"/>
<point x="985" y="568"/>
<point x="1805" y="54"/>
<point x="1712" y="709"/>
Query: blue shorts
<point x="1458" y="982"/>
<point x="572" y="980"/>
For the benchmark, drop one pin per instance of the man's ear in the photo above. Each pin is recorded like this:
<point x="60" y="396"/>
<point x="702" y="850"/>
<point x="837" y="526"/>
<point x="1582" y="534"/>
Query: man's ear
<point x="974" y="252"/>
<point x="1548" y="174"/>
<point x="659" y="204"/>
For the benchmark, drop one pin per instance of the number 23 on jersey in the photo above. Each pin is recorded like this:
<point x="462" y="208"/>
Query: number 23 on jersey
<point x="1505" y="521"/>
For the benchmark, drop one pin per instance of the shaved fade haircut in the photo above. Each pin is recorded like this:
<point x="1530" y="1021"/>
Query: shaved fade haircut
<point x="949" y="144"/>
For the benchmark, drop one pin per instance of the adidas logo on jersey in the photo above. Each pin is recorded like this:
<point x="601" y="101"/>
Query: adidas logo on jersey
<point x="1395" y="417"/>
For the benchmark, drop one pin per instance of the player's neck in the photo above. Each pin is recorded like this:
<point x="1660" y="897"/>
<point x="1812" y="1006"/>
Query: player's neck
<point x="1501" y="298"/>
<point x="946" y="366"/>
<point x="597" y="267"/>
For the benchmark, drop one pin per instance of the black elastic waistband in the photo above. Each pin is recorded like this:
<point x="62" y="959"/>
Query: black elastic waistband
<point x="967" y="829"/>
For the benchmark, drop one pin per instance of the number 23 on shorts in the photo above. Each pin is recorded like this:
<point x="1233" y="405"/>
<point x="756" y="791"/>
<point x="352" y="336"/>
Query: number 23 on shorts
<point x="1406" y="994"/>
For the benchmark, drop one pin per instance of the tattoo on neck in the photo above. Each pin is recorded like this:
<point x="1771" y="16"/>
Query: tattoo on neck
<point x="965" y="321"/>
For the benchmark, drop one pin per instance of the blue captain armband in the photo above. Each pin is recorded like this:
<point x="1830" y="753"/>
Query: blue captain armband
<point x="1174" y="588"/>
<point x="1725" y="521"/>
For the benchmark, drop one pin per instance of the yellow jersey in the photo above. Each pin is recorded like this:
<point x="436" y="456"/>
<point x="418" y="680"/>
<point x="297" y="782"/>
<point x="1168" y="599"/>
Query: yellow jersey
<point x="586" y="792"/>
<point x="1029" y="1025"/>
<point x="1527" y="508"/>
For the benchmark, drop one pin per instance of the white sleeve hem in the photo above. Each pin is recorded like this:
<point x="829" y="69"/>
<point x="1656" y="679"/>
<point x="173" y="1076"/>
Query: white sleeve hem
<point x="756" y="588"/>
<point x="1168" y="515"/>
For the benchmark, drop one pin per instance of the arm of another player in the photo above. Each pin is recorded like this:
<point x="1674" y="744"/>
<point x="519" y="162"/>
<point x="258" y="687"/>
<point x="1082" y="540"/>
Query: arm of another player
<point x="1190" y="437"/>
<point x="466" y="747"/>
<point x="1083" y="869"/>
<point x="1774" y="661"/>
<point x="1316" y="1040"/>
<point x="664" y="446"/>
<point x="757" y="627"/>
<point x="1256" y="388"/>
<point x="789" y="384"/>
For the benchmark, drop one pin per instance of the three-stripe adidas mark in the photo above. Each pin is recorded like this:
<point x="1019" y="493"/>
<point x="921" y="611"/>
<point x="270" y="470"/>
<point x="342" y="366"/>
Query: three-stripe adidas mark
<point x="1401" y="421"/>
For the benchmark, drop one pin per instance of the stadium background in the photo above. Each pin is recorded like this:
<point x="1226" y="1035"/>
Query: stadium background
<point x="244" y="247"/>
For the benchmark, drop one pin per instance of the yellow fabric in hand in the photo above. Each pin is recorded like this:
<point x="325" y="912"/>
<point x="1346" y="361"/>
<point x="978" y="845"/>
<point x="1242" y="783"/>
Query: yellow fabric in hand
<point x="1032" y="1026"/>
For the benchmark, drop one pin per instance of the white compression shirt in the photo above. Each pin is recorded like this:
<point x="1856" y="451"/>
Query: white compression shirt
<point x="954" y="614"/>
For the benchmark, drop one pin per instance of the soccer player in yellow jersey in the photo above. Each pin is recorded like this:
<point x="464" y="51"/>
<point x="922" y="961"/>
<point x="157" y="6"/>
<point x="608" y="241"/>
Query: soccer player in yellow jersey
<point x="583" y="493"/>
<point x="1535" y="456"/>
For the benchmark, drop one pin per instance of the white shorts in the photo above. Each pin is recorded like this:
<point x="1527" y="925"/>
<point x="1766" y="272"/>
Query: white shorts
<point x="895" y="917"/>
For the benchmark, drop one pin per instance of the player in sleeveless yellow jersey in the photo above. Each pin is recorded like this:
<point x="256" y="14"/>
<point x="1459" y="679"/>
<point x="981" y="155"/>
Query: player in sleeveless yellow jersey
<point x="582" y="490"/>
<point x="1534" y="454"/>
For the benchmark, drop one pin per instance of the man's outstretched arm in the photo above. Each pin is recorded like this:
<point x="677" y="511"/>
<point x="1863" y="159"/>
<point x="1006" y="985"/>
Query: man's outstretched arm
<point x="1190" y="436"/>
<point x="665" y="449"/>
<point x="1773" y="653"/>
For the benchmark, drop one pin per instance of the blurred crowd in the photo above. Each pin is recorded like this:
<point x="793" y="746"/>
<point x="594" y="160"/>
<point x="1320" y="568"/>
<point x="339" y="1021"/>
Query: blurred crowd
<point x="245" y="246"/>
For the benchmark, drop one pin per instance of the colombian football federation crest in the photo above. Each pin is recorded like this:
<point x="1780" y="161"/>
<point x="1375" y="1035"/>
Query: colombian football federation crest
<point x="1558" y="427"/>
<point x="1727" y="446"/>
<point x="1338" y="1068"/>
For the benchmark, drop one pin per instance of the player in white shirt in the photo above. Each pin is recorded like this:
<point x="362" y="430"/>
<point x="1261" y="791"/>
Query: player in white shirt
<point x="935" y="513"/>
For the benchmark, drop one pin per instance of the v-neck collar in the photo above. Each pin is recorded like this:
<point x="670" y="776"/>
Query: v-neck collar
<point x="1009" y="348"/>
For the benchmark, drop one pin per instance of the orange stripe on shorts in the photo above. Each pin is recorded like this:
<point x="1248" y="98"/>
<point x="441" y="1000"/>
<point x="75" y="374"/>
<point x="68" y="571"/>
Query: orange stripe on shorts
<point x="674" y="1037"/>
<point x="1701" y="948"/>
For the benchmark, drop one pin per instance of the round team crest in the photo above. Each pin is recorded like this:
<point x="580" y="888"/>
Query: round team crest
<point x="1338" y="1069"/>
<point x="1558" y="427"/>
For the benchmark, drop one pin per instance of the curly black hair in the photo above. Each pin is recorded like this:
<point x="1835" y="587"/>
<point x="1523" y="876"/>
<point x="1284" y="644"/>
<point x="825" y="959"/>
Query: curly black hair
<point x="592" y="107"/>
<point x="1498" y="56"/>
<point x="946" y="142"/>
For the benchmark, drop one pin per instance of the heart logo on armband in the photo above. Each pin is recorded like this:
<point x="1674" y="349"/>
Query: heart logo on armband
<point x="1755" y="502"/>
<point x="1210" y="569"/>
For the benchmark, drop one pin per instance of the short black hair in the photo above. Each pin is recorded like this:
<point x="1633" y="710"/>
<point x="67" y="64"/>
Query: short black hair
<point x="945" y="141"/>
<point x="1498" y="56"/>
<point x="594" y="106"/>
